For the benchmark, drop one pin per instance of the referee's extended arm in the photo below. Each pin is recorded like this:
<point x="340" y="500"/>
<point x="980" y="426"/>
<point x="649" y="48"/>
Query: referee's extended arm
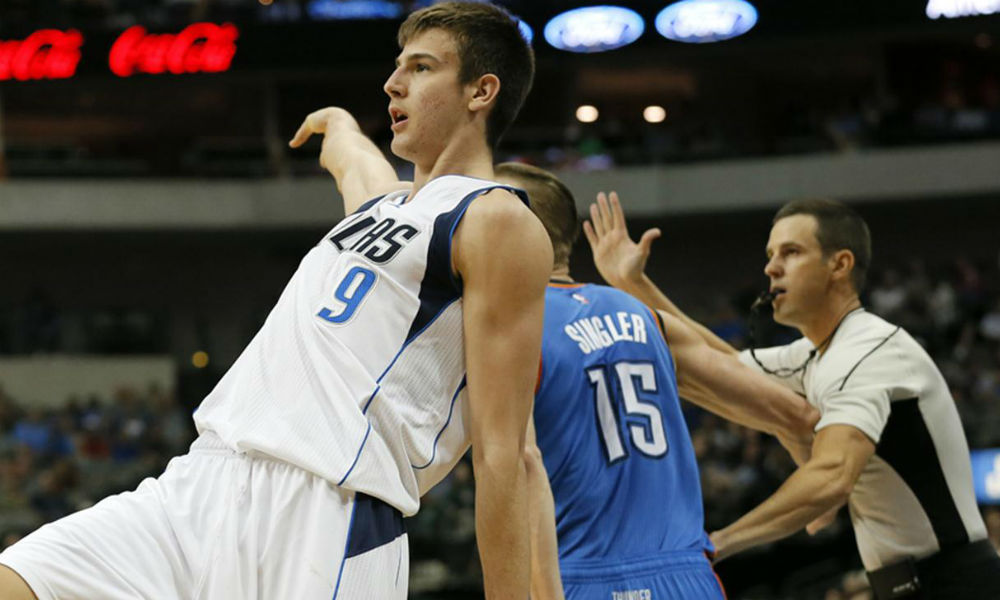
<point x="839" y="453"/>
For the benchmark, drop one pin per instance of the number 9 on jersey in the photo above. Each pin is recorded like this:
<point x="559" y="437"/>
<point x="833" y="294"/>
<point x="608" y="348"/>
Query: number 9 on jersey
<point x="352" y="290"/>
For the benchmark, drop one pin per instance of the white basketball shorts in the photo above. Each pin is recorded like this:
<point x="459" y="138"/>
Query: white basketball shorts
<point x="221" y="525"/>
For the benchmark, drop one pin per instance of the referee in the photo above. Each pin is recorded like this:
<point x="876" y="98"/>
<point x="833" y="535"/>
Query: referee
<point x="889" y="441"/>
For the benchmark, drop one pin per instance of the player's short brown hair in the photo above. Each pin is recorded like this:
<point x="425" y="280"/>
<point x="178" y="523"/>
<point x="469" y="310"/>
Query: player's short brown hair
<point x="552" y="203"/>
<point x="838" y="227"/>
<point x="488" y="40"/>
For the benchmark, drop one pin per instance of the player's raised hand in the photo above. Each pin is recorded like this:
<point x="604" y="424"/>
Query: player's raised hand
<point x="317" y="122"/>
<point x="618" y="258"/>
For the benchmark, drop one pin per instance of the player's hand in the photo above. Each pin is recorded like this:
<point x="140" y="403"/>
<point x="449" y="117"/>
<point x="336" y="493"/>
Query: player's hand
<point x="822" y="521"/>
<point x="721" y="551"/>
<point x="618" y="258"/>
<point x="317" y="122"/>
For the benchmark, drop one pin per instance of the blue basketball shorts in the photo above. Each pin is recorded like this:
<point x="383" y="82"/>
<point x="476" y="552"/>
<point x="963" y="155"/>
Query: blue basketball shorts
<point x="666" y="576"/>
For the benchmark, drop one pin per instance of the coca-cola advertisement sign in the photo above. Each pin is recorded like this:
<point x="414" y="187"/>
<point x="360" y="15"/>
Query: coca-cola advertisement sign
<point x="199" y="48"/>
<point x="45" y="54"/>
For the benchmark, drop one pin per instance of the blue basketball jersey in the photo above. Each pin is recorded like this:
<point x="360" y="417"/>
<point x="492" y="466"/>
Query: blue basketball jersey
<point x="610" y="428"/>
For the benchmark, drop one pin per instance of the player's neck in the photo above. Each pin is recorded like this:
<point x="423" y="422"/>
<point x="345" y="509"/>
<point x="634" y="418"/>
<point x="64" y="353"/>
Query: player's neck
<point x="561" y="274"/>
<point x="466" y="155"/>
<point x="828" y="319"/>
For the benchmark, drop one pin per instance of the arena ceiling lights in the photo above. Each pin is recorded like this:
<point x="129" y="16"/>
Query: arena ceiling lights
<point x="703" y="21"/>
<point x="594" y="29"/>
<point x="951" y="9"/>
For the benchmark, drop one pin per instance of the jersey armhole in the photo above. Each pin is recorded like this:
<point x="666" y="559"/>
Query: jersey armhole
<point x="368" y="204"/>
<point x="458" y="213"/>
<point x="659" y="323"/>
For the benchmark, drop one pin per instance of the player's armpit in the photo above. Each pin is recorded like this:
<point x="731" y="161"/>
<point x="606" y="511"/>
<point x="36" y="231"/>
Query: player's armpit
<point x="718" y="382"/>
<point x="503" y="257"/>
<point x="358" y="166"/>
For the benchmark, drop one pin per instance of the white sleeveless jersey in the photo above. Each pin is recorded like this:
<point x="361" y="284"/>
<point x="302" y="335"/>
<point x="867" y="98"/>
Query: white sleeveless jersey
<point x="358" y="373"/>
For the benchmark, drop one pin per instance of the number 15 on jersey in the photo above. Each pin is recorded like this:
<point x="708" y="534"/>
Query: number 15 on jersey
<point x="644" y="419"/>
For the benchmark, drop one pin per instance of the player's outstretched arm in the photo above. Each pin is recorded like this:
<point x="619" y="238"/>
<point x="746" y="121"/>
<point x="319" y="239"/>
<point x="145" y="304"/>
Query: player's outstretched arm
<point x="504" y="258"/>
<point x="839" y="454"/>
<point x="359" y="167"/>
<point x="546" y="582"/>
<point x="720" y="383"/>
<point x="622" y="262"/>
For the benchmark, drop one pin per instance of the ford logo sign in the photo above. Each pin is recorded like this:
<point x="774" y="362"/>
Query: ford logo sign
<point x="594" y="29"/>
<point x="526" y="32"/>
<point x="701" y="21"/>
<point x="961" y="8"/>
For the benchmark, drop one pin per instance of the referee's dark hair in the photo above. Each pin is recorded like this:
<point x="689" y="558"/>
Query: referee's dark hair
<point x="552" y="203"/>
<point x="838" y="227"/>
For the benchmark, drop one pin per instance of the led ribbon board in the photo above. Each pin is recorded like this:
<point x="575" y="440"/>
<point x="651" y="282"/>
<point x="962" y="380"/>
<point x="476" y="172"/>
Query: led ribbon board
<point x="986" y="475"/>
<point x="594" y="29"/>
<point x="199" y="48"/>
<point x="355" y="9"/>
<point x="45" y="54"/>
<point x="526" y="32"/>
<point x="951" y="9"/>
<point x="702" y="21"/>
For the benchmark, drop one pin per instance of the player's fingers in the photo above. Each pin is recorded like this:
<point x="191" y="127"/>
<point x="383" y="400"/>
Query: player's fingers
<point x="595" y="218"/>
<point x="588" y="232"/>
<point x="605" y="210"/>
<point x="601" y="225"/>
<point x="301" y="135"/>
<point x="646" y="241"/>
<point x="617" y="214"/>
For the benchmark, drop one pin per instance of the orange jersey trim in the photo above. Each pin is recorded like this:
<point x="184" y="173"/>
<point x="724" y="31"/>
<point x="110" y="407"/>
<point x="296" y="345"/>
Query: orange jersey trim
<point x="660" y="324"/>
<point x="538" y="381"/>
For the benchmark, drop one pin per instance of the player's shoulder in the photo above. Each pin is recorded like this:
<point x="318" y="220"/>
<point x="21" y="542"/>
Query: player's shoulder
<point x="501" y="204"/>
<point x="500" y="214"/>
<point x="861" y="333"/>
<point x="598" y="296"/>
<point x="866" y="351"/>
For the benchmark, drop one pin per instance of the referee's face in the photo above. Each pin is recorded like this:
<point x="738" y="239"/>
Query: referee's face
<point x="800" y="275"/>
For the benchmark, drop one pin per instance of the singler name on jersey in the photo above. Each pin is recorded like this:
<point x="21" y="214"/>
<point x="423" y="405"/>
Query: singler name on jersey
<point x="593" y="333"/>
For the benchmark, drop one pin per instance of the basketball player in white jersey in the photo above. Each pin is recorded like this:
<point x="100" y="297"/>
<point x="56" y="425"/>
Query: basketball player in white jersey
<point x="412" y="329"/>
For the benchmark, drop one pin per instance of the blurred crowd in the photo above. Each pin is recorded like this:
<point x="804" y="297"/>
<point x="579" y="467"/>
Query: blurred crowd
<point x="55" y="461"/>
<point x="960" y="103"/>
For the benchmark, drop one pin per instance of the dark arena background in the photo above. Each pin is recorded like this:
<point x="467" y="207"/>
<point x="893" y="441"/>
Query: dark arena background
<point x="151" y="213"/>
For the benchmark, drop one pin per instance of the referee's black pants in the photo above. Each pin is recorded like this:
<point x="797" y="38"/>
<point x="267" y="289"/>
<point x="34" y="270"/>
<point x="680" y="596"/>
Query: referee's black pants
<point x="967" y="572"/>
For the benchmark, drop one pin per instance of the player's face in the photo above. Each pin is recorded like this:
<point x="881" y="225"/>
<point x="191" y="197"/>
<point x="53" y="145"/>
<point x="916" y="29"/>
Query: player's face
<point x="799" y="273"/>
<point x="427" y="104"/>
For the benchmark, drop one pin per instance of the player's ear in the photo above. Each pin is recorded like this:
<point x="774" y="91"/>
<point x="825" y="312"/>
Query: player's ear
<point x="484" y="92"/>
<point x="842" y="263"/>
